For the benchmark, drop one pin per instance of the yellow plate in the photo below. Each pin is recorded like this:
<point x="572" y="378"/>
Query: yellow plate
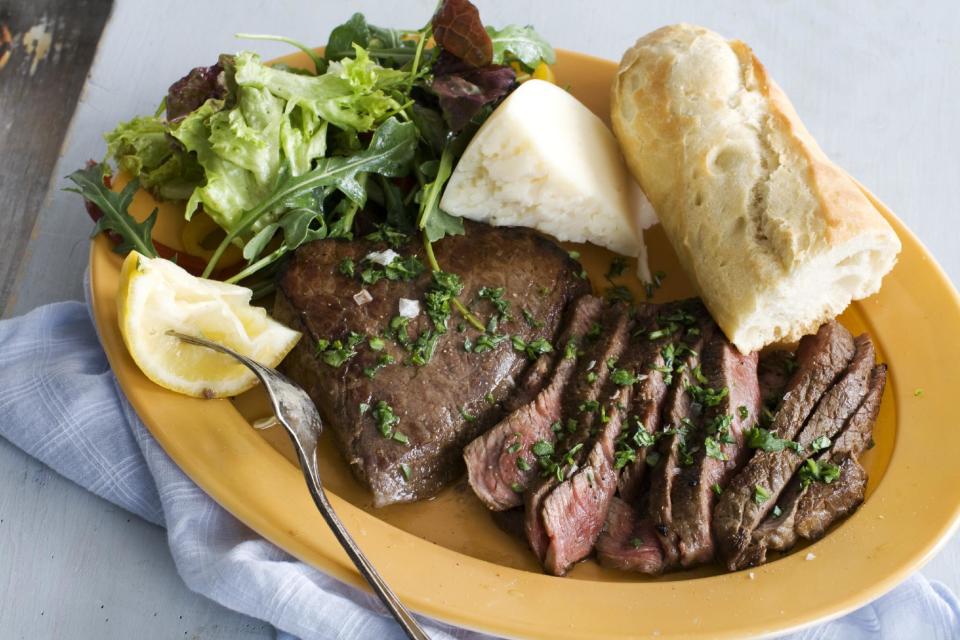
<point x="446" y="558"/>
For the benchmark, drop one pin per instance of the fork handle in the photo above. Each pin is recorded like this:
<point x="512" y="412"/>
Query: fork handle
<point x="389" y="599"/>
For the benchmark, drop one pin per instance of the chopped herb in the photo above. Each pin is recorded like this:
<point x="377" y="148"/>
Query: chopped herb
<point x="490" y="399"/>
<point x="389" y="235"/>
<point x="760" y="495"/>
<point x="777" y="511"/>
<point x="405" y="470"/>
<point x="533" y="349"/>
<point x="636" y="543"/>
<point x="623" y="378"/>
<point x="760" y="438"/>
<point x="400" y="268"/>
<point x="522" y="464"/>
<point x="556" y="427"/>
<point x="617" y="265"/>
<point x="743" y="412"/>
<point x="423" y="347"/>
<point x="574" y="255"/>
<point x="384" y="360"/>
<point x="487" y="342"/>
<point x="918" y="392"/>
<point x="591" y="376"/>
<point x="401" y="437"/>
<point x="336" y="352"/>
<point x="467" y="344"/>
<point x="466" y="415"/>
<point x="589" y="405"/>
<point x="594" y="332"/>
<point x="346" y="267"/>
<point x="819" y="444"/>
<point x="611" y="362"/>
<point x="513" y="448"/>
<point x="717" y="489"/>
<point x="542" y="448"/>
<point x="824" y="472"/>
<point x="461" y="326"/>
<point x="364" y="407"/>
<point x="570" y="351"/>
<point x="713" y="449"/>
<point x="698" y="374"/>
<point x="544" y="291"/>
<point x="385" y="418"/>
<point x="659" y="333"/>
<point x="495" y="296"/>
<point x="517" y="488"/>
<point x="531" y="321"/>
<point x="572" y="425"/>
<point x="376" y="343"/>
<point x="398" y="327"/>
<point x="443" y="289"/>
<point x="618" y="293"/>
<point x="707" y="396"/>
<point x="656" y="283"/>
<point x="604" y="418"/>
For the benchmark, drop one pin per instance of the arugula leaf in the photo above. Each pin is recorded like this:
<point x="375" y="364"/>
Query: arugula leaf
<point x="433" y="220"/>
<point x="134" y="235"/>
<point x="520" y="43"/>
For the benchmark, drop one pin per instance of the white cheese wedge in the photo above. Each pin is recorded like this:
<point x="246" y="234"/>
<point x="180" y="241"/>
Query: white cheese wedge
<point x="543" y="160"/>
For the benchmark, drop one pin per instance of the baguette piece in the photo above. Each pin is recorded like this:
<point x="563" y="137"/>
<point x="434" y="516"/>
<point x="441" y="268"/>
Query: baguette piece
<point x="776" y="237"/>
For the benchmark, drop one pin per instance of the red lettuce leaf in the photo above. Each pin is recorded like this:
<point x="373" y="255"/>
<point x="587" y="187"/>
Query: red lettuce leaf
<point x="192" y="90"/>
<point x="463" y="90"/>
<point x="457" y="29"/>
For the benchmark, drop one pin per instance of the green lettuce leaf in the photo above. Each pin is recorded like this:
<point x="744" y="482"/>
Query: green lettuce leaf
<point x="142" y="148"/>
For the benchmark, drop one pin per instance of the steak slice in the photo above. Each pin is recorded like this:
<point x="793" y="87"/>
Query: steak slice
<point x="680" y="425"/>
<point x="753" y="493"/>
<point x="493" y="462"/>
<point x="650" y="392"/>
<point x="315" y="298"/>
<point x="627" y="542"/>
<point x="578" y="419"/>
<point x="723" y="450"/>
<point x="808" y="511"/>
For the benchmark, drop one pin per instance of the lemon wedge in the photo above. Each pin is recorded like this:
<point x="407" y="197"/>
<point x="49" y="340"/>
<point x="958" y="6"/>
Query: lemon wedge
<point x="157" y="296"/>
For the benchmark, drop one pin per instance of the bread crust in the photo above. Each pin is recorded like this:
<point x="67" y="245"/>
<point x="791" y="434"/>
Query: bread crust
<point x="776" y="237"/>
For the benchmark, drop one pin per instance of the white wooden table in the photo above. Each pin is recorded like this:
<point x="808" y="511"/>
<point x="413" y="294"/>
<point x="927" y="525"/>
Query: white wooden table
<point x="874" y="81"/>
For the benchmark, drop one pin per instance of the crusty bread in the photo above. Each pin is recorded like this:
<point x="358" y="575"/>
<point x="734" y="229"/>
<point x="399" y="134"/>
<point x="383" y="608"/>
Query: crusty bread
<point x="776" y="237"/>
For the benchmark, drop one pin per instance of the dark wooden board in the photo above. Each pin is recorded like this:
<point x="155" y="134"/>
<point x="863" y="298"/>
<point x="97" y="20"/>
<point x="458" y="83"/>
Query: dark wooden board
<point x="46" y="47"/>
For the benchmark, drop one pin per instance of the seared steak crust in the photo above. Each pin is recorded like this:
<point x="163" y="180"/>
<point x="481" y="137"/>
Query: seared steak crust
<point x="316" y="299"/>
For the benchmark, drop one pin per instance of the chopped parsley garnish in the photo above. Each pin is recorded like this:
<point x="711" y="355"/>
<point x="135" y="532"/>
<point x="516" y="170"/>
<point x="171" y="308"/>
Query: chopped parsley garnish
<point x="717" y="489"/>
<point x="531" y="321"/>
<point x="495" y="296"/>
<point x="400" y="268"/>
<point x="589" y="405"/>
<point x="385" y="418"/>
<point x="760" y="438"/>
<point x="623" y="378"/>
<point x="376" y="343"/>
<point x="364" y="407"/>
<point x="517" y="488"/>
<point x="611" y="362"/>
<point x="487" y="342"/>
<point x="617" y="265"/>
<point x="556" y="427"/>
<point x="405" y="470"/>
<point x="522" y="464"/>
<point x="346" y="267"/>
<point x="760" y="495"/>
<point x="698" y="374"/>
<point x="423" y="347"/>
<point x="713" y="449"/>
<point x="443" y="289"/>
<point x="400" y="437"/>
<point x="594" y="332"/>
<point x="514" y="447"/>
<point x="387" y="234"/>
<point x="489" y="398"/>
<point x="398" y="327"/>
<point x="467" y="344"/>
<point x="630" y="443"/>
<point x="636" y="543"/>
<point x="918" y="392"/>
<point x="743" y="412"/>
<point x="533" y="349"/>
<point x="574" y="255"/>
<point x="542" y="448"/>
<point x="707" y="396"/>
<point x="335" y="353"/>
<point x="382" y="361"/>
<point x="591" y="376"/>
<point x="819" y="444"/>
<point x="811" y="471"/>
<point x="570" y="351"/>
<point x="656" y="283"/>
<point x="659" y="333"/>
<point x="466" y="415"/>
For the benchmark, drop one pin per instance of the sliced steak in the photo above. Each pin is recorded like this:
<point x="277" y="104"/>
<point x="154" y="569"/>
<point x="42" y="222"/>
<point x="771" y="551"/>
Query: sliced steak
<point x="583" y="399"/>
<point x="730" y="394"/>
<point x="650" y="341"/>
<point x="315" y="298"/>
<point x="808" y="511"/>
<point x="774" y="371"/>
<point x="500" y="463"/>
<point x="753" y="493"/>
<point x="627" y="542"/>
<point x="676" y="447"/>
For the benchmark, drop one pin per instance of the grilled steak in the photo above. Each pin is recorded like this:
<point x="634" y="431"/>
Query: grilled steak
<point x="650" y="392"/>
<point x="732" y="388"/>
<point x="454" y="384"/>
<point x="807" y="511"/>
<point x="627" y="542"/>
<point x="753" y="493"/>
<point x="680" y="424"/>
<point x="774" y="372"/>
<point x="578" y="419"/>
<point x="493" y="469"/>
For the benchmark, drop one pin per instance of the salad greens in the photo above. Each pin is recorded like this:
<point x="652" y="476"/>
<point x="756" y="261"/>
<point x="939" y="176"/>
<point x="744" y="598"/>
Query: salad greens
<point x="366" y="139"/>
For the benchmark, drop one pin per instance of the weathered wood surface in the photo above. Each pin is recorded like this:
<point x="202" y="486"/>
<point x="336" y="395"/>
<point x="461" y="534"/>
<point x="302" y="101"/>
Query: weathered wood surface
<point x="873" y="81"/>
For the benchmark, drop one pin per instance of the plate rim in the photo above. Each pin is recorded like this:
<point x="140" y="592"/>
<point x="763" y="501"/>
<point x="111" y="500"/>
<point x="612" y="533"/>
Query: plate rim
<point x="307" y="538"/>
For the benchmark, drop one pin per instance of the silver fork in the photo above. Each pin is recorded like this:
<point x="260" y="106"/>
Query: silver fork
<point x="296" y="412"/>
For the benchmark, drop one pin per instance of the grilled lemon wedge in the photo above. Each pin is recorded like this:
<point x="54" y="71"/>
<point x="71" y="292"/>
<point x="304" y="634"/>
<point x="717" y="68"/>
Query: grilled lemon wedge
<point x="157" y="296"/>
